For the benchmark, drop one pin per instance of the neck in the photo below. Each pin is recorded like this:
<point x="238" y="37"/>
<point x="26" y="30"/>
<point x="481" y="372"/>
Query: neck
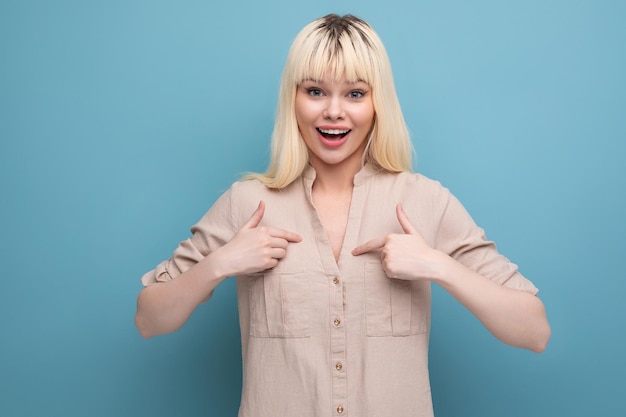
<point x="335" y="179"/>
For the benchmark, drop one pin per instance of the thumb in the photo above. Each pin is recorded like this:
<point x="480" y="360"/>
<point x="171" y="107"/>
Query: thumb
<point x="256" y="217"/>
<point x="406" y="224"/>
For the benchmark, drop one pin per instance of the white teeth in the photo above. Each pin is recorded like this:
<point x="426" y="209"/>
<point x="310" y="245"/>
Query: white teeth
<point x="333" y="131"/>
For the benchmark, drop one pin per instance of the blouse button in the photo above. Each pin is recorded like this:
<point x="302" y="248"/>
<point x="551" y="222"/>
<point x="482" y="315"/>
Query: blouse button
<point x="339" y="366"/>
<point x="336" y="281"/>
<point x="340" y="409"/>
<point x="337" y="322"/>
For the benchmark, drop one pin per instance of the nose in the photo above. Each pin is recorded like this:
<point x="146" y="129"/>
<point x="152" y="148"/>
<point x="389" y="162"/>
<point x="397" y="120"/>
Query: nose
<point x="334" y="109"/>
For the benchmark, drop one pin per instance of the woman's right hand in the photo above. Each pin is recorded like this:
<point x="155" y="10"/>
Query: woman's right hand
<point x="253" y="248"/>
<point x="164" y="307"/>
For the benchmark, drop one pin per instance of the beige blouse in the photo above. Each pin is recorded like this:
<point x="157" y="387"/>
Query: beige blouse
<point x="326" y="338"/>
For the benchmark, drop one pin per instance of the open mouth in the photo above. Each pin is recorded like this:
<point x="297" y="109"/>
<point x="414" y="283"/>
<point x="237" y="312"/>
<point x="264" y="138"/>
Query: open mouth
<point x="333" y="134"/>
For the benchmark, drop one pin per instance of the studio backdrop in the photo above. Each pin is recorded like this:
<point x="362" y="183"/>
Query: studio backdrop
<point x="121" y="122"/>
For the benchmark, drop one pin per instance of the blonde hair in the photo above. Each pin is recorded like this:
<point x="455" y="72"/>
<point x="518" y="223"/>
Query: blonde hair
<point x="339" y="45"/>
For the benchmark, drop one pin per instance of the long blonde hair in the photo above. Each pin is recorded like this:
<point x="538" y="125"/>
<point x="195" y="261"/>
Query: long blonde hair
<point x="339" y="45"/>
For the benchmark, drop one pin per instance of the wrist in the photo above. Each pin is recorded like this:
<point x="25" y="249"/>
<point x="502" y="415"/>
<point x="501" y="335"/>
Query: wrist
<point x="446" y="269"/>
<point x="215" y="269"/>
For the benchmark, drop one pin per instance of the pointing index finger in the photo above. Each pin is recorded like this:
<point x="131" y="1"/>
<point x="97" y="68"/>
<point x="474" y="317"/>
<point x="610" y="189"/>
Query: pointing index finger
<point x="369" y="246"/>
<point x="285" y="234"/>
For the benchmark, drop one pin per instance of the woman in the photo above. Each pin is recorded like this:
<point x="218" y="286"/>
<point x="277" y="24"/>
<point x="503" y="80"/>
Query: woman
<point x="335" y="247"/>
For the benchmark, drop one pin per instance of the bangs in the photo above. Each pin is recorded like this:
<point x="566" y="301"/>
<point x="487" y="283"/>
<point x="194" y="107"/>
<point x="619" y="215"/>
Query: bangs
<point x="334" y="51"/>
<point x="337" y="46"/>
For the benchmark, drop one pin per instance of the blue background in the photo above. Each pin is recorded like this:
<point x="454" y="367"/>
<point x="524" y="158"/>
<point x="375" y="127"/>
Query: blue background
<point x="122" y="121"/>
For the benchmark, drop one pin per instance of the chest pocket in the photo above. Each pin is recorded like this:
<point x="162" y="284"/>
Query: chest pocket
<point x="394" y="307"/>
<point x="279" y="305"/>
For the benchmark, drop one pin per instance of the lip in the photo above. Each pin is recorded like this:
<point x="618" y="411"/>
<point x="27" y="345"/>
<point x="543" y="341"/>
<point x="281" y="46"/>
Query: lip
<point x="333" y="143"/>
<point x="333" y="127"/>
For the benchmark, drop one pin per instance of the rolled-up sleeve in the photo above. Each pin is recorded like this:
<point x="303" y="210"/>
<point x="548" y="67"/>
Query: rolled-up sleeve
<point x="460" y="237"/>
<point x="213" y="230"/>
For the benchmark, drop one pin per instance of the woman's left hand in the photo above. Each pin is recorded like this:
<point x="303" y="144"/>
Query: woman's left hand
<point x="405" y="256"/>
<point x="515" y="317"/>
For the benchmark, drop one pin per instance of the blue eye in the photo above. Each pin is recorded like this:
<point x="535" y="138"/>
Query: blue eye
<point x="356" y="94"/>
<point x="314" y="92"/>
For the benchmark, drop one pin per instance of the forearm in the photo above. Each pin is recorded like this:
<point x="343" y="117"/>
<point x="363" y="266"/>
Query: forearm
<point x="515" y="317"/>
<point x="165" y="307"/>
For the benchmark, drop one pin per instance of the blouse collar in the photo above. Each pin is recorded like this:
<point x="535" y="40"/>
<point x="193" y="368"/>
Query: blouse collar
<point x="364" y="173"/>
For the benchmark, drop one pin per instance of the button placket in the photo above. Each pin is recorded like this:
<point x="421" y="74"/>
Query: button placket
<point x="338" y="345"/>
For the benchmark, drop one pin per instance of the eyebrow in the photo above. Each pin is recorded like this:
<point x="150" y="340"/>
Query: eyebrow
<point x="312" y="80"/>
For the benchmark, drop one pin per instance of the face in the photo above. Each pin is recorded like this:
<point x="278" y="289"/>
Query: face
<point x="335" y="118"/>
